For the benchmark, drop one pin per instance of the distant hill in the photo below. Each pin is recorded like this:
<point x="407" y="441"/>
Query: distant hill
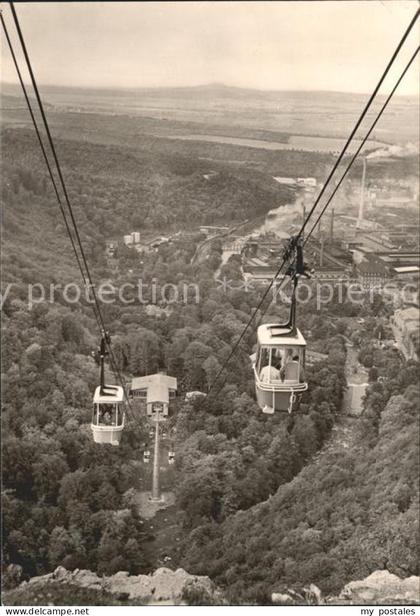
<point x="320" y="113"/>
<point x="17" y="101"/>
<point x="214" y="90"/>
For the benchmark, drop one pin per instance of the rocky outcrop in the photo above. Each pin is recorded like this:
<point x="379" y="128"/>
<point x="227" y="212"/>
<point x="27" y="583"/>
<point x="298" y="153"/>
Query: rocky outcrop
<point x="164" y="586"/>
<point x="310" y="595"/>
<point x="167" y="587"/>
<point x="383" y="587"/>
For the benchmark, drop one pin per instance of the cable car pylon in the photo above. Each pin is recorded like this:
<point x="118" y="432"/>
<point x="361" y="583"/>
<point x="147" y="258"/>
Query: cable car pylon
<point x="156" y="496"/>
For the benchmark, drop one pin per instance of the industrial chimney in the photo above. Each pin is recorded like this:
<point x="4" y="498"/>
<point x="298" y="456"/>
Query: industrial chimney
<point x="362" y="196"/>
<point x="332" y="225"/>
<point x="321" y="254"/>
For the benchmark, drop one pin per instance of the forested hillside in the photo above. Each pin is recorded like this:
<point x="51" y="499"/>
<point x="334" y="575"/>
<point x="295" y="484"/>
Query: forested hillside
<point x="55" y="478"/>
<point x="115" y="189"/>
<point x="353" y="511"/>
<point x="325" y="518"/>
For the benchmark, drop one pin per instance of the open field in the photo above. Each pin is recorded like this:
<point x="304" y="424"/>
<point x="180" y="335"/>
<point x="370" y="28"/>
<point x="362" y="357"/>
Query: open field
<point x="294" y="142"/>
<point x="228" y="111"/>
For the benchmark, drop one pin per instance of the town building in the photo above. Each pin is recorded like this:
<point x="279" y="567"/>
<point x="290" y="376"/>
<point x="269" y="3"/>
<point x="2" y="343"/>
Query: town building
<point x="158" y="241"/>
<point x="409" y="273"/>
<point x="209" y="231"/>
<point x="287" y="181"/>
<point x="307" y="182"/>
<point x="132" y="239"/>
<point x="328" y="260"/>
<point x="234" y="244"/>
<point x="111" y="248"/>
<point x="406" y="326"/>
<point x="372" y="272"/>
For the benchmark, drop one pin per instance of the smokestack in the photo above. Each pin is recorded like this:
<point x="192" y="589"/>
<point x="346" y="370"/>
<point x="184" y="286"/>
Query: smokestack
<point x="321" y="254"/>
<point x="332" y="225"/>
<point x="303" y="213"/>
<point x="319" y="227"/>
<point x="362" y="196"/>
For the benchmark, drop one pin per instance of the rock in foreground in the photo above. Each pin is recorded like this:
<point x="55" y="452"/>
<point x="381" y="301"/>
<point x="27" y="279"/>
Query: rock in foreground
<point x="380" y="587"/>
<point x="162" y="587"/>
<point x="383" y="587"/>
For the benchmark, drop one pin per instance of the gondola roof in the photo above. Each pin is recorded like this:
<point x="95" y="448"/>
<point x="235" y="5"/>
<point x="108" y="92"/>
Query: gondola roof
<point x="271" y="334"/>
<point x="110" y="394"/>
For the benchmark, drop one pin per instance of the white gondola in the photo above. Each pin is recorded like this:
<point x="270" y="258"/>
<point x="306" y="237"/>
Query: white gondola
<point x="108" y="414"/>
<point x="278" y="365"/>
<point x="108" y="405"/>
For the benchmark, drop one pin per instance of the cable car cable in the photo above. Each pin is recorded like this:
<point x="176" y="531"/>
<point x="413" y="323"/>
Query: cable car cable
<point x="57" y="163"/>
<point x="350" y="138"/>
<point x="44" y="154"/>
<point x="329" y="178"/>
<point x="86" y="276"/>
<point x="361" y="118"/>
<point x="366" y="137"/>
<point x="353" y="159"/>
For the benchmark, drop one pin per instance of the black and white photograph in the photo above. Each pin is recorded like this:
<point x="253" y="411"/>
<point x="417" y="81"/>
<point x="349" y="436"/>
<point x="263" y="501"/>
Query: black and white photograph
<point x="210" y="310"/>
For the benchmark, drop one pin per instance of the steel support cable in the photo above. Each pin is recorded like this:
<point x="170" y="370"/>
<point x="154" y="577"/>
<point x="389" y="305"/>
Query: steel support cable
<point x="44" y="154"/>
<point x="361" y="118"/>
<point x="366" y="137"/>
<point x="307" y="218"/>
<point x="57" y="163"/>
<point x="86" y="276"/>
<point x="355" y="155"/>
<point x="328" y="180"/>
<point x="251" y="319"/>
<point x="120" y="378"/>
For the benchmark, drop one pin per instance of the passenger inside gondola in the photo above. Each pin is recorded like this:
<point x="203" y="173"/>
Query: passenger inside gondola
<point x="107" y="413"/>
<point x="271" y="369"/>
<point x="291" y="369"/>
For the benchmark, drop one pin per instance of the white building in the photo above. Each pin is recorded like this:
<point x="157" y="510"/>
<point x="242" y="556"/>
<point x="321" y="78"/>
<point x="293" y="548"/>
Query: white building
<point x="212" y="230"/>
<point x="310" y="182"/>
<point x="406" y="322"/>
<point x="285" y="180"/>
<point x="132" y="238"/>
<point x="155" y="392"/>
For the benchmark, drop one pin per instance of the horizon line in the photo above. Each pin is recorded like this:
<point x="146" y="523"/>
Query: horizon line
<point x="201" y="85"/>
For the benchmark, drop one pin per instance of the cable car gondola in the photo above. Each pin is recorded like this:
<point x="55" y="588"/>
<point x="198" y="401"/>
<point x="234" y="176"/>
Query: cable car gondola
<point x="279" y="362"/>
<point x="108" y="408"/>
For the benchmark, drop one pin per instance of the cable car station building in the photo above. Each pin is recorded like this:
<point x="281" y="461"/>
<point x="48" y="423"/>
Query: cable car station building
<point x="154" y="392"/>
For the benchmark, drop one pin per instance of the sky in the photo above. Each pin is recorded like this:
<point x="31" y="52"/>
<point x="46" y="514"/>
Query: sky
<point x="279" y="45"/>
